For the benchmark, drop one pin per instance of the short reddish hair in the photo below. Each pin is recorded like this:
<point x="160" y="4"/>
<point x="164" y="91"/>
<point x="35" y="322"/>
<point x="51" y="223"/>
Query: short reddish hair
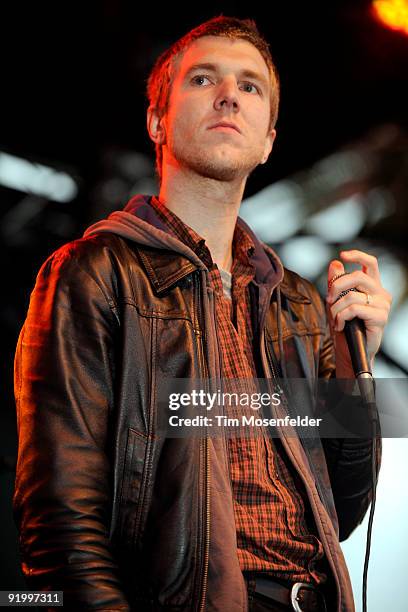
<point x="162" y="75"/>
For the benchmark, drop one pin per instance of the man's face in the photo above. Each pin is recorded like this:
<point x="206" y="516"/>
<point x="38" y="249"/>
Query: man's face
<point x="225" y="81"/>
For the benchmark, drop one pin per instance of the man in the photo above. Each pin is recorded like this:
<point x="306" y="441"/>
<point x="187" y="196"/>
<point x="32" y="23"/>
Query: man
<point x="175" y="287"/>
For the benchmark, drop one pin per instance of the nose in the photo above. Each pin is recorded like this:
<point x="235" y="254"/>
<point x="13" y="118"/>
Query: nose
<point x="227" y="96"/>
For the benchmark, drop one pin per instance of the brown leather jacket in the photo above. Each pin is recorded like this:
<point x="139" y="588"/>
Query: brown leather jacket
<point x="114" y="515"/>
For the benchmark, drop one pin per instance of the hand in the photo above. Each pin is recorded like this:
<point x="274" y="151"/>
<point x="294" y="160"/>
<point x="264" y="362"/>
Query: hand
<point x="371" y="303"/>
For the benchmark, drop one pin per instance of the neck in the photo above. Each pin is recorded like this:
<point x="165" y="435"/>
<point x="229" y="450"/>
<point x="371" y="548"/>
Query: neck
<point x="210" y="207"/>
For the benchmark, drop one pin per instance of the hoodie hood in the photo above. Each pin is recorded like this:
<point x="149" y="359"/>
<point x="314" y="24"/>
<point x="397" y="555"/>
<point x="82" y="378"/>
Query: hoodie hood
<point x="139" y="222"/>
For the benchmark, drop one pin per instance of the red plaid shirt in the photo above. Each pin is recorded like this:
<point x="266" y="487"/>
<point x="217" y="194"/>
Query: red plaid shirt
<point x="274" y="525"/>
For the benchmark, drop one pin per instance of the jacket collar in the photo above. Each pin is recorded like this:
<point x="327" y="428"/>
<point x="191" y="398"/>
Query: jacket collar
<point x="167" y="260"/>
<point x="292" y="288"/>
<point x="164" y="268"/>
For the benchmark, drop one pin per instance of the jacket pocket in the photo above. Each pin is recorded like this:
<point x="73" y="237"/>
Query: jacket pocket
<point x="132" y="485"/>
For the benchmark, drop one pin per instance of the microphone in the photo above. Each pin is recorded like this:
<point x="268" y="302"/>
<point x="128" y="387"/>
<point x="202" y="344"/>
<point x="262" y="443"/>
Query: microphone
<point x="355" y="333"/>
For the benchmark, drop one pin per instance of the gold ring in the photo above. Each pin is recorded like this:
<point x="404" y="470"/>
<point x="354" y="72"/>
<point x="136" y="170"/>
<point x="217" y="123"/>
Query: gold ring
<point x="334" y="278"/>
<point x="368" y="299"/>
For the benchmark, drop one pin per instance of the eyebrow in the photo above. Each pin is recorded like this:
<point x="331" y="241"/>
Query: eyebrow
<point x="248" y="74"/>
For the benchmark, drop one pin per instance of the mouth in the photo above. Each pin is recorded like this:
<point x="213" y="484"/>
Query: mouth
<point x="224" y="126"/>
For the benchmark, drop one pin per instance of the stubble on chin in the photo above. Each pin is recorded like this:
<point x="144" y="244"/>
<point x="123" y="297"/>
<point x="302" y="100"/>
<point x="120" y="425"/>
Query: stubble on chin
<point x="216" y="167"/>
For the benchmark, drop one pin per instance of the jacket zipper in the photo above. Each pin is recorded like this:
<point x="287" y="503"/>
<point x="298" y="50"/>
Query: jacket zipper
<point x="207" y="527"/>
<point x="206" y="487"/>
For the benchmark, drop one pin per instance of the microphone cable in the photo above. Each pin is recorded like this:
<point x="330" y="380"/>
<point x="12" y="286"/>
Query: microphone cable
<point x="356" y="340"/>
<point x="376" y="435"/>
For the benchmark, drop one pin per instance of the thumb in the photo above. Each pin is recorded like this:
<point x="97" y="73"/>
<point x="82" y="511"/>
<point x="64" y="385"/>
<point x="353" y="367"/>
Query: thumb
<point x="335" y="268"/>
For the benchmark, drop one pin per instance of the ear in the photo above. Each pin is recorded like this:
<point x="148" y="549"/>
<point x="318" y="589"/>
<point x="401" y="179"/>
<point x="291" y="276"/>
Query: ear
<point x="155" y="126"/>
<point x="270" y="138"/>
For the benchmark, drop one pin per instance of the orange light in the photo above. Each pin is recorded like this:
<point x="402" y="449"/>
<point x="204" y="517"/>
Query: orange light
<point x="393" y="13"/>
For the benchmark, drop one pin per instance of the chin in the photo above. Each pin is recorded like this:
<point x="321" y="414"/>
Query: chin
<point x="222" y="169"/>
<point x="219" y="173"/>
<point x="215" y="163"/>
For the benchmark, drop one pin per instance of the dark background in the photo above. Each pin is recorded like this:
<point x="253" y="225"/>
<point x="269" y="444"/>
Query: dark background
<point x="73" y="78"/>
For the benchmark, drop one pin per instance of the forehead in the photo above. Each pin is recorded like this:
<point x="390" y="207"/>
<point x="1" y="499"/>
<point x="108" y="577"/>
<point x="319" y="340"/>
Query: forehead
<point x="225" y="53"/>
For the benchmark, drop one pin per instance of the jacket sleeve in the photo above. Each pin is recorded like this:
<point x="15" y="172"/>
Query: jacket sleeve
<point x="349" y="460"/>
<point x="64" y="374"/>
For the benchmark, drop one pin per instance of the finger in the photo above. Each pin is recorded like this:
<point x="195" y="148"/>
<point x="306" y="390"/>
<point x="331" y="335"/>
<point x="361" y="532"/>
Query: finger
<point x="373" y="317"/>
<point x="367" y="261"/>
<point x="335" y="269"/>
<point x="355" y="297"/>
<point x="354" y="280"/>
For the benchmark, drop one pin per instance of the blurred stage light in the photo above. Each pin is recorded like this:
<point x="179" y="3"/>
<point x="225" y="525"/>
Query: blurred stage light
<point x="276" y="212"/>
<point x="308" y="255"/>
<point x="392" y="13"/>
<point x="339" y="223"/>
<point x="339" y="168"/>
<point x="37" y="179"/>
<point x="393" y="277"/>
<point x="380" y="203"/>
<point x="396" y="334"/>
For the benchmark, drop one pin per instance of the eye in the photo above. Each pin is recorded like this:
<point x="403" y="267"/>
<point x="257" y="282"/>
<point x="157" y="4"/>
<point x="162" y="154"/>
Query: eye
<point x="249" y="87"/>
<point x="200" y="79"/>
